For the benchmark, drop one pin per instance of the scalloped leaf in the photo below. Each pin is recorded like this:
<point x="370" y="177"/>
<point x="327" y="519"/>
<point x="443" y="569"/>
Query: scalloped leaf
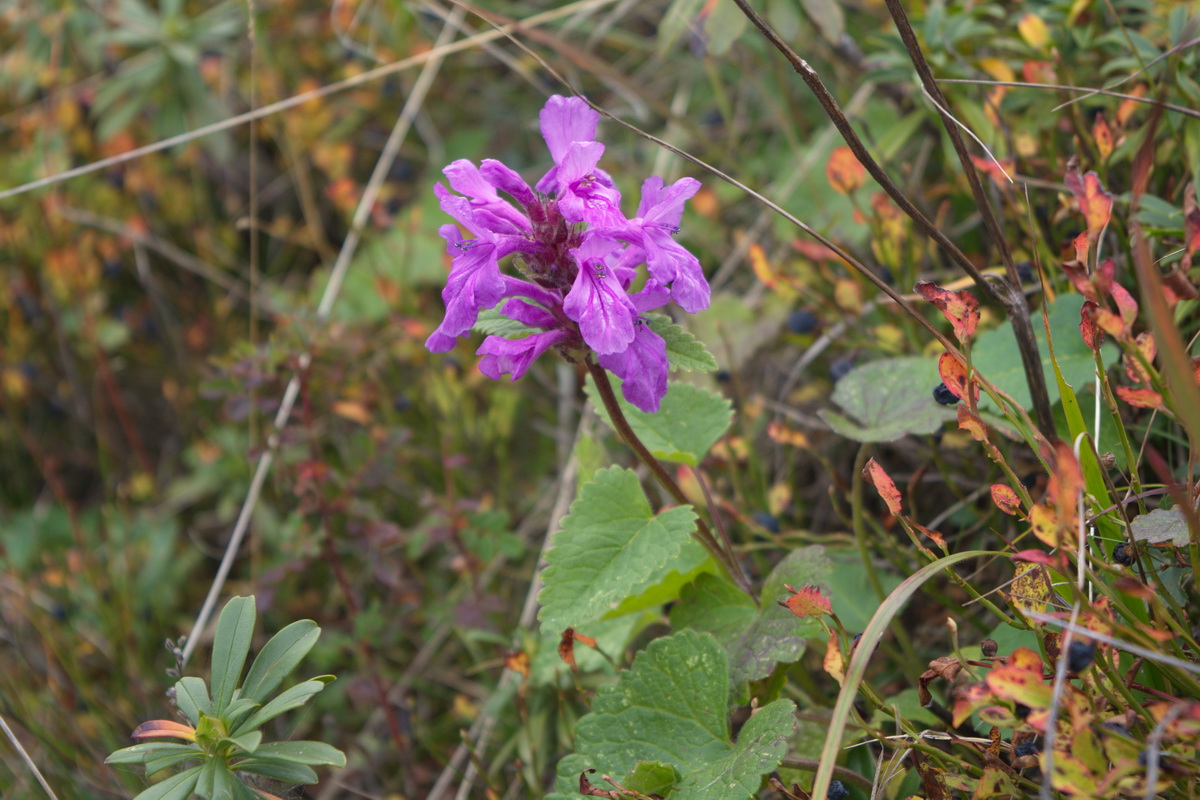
<point x="612" y="546"/>
<point x="755" y="639"/>
<point x="684" y="351"/>
<point x="1161" y="526"/>
<point x="886" y="400"/>
<point x="689" y="421"/>
<point x="672" y="707"/>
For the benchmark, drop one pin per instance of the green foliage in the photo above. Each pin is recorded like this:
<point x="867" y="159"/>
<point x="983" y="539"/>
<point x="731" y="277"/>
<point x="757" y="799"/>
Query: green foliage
<point x="687" y="424"/>
<point x="887" y="400"/>
<point x="670" y="708"/>
<point x="224" y="733"/>
<point x="612" y="546"/>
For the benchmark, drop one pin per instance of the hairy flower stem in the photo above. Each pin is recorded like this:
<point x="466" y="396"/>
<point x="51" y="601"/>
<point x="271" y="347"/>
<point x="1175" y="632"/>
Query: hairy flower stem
<point x="724" y="555"/>
<point x="1012" y="299"/>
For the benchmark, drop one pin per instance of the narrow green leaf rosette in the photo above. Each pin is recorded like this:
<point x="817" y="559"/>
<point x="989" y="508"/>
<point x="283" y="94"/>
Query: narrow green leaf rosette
<point x="302" y="752"/>
<point x="191" y="695"/>
<point x="235" y="629"/>
<point x="671" y="707"/>
<point x="612" y="546"/>
<point x="689" y="421"/>
<point x="755" y="639"/>
<point x="279" y="657"/>
<point x="176" y="787"/>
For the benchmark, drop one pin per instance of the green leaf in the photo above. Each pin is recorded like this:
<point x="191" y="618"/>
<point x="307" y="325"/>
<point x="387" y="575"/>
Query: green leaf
<point x="652" y="778"/>
<point x="997" y="358"/>
<point x="887" y="400"/>
<point x="684" y="351"/>
<point x="302" y="752"/>
<point x="139" y="753"/>
<point x="755" y="639"/>
<point x="491" y="322"/>
<point x="247" y="742"/>
<point x="1161" y="526"/>
<point x="671" y="707"/>
<point x="854" y="601"/>
<point x="678" y="18"/>
<point x="176" y="787"/>
<point x="689" y="421"/>
<point x="165" y="761"/>
<point x="206" y="784"/>
<point x="611" y="546"/>
<point x="292" y="697"/>
<point x="285" y="771"/>
<point x="278" y="658"/>
<point x="235" y="628"/>
<point x="827" y="16"/>
<point x="191" y="695"/>
<point x="612" y="636"/>
<point x="724" y="26"/>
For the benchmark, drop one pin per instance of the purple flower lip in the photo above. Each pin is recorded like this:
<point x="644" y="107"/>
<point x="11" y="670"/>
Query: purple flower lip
<point x="578" y="255"/>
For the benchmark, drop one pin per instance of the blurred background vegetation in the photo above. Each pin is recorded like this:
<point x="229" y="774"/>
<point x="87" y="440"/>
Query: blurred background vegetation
<point x="153" y="312"/>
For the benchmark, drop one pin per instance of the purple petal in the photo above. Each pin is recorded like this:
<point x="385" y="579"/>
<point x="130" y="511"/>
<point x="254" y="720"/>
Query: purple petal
<point x="643" y="368"/>
<point x="513" y="356"/>
<point x="582" y="195"/>
<point x="597" y="301"/>
<point x="653" y="295"/>
<point x="529" y="314"/>
<point x="475" y="283"/>
<point x="489" y="210"/>
<point x="665" y="206"/>
<point x="566" y="120"/>
<point x="507" y="180"/>
<point x="669" y="261"/>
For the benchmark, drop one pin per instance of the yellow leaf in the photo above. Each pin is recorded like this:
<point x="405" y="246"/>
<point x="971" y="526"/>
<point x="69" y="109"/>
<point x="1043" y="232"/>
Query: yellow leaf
<point x="353" y="411"/>
<point x="1034" y="31"/>
<point x="834" y="663"/>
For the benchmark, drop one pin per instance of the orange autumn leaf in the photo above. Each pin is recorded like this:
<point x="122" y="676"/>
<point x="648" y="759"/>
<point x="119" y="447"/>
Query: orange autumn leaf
<point x="844" y="172"/>
<point x="1141" y="398"/>
<point x="807" y="601"/>
<point x="1095" y="203"/>
<point x="159" y="728"/>
<point x="883" y="484"/>
<point x="998" y="170"/>
<point x="566" y="648"/>
<point x="762" y="267"/>
<point x="972" y="423"/>
<point x="834" y="662"/>
<point x="518" y="661"/>
<point x="953" y="372"/>
<point x="1066" y="479"/>
<point x="1148" y="349"/>
<point x="1128" y="106"/>
<point x="1006" y="499"/>
<point x="960" y="308"/>
<point x="1091" y="333"/>
<point x="784" y="434"/>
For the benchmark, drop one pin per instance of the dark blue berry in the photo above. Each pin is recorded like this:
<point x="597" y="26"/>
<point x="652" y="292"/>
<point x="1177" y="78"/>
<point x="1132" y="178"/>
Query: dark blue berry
<point x="837" y="791"/>
<point x="767" y="520"/>
<point x="1025" y="749"/>
<point x="1025" y="271"/>
<point x="801" y="321"/>
<point x="1080" y="655"/>
<point x="840" y="368"/>
<point x="723" y="376"/>
<point x="943" y="395"/>
<point x="1021" y="710"/>
<point x="1123" y="554"/>
<point x="886" y="276"/>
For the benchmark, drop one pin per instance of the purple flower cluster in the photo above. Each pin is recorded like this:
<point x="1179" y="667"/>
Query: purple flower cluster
<point x="578" y="254"/>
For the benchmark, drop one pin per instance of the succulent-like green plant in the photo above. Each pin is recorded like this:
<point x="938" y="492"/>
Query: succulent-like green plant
<point x="223" y="735"/>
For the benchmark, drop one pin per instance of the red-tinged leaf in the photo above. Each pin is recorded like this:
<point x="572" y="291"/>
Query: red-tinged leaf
<point x="1023" y="686"/>
<point x="998" y="170"/>
<point x="762" y="267"/>
<point x="1103" y="136"/>
<point x="814" y="250"/>
<point x="1081" y="279"/>
<point x="517" y="661"/>
<point x="566" y="648"/>
<point x="933" y="536"/>
<point x="844" y="171"/>
<point x="1128" y="106"/>
<point x="953" y="372"/>
<point x="961" y="308"/>
<point x="585" y="640"/>
<point x="1141" y="398"/>
<point x="1006" y="499"/>
<point x="968" y="699"/>
<point x="1066" y="479"/>
<point x="1081" y="247"/>
<point x="159" y="728"/>
<point x="1093" y="337"/>
<point x="1025" y="658"/>
<point x="1001" y="716"/>
<point x="586" y="787"/>
<point x="1039" y="72"/>
<point x="1034" y="557"/>
<point x="1191" y="221"/>
<point x="1125" y="304"/>
<point x="807" y="601"/>
<point x="971" y="422"/>
<point x="883" y="484"/>
<point x="1110" y="323"/>
<point x="1095" y="203"/>
<point x="1134" y="367"/>
<point x="1134" y="588"/>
